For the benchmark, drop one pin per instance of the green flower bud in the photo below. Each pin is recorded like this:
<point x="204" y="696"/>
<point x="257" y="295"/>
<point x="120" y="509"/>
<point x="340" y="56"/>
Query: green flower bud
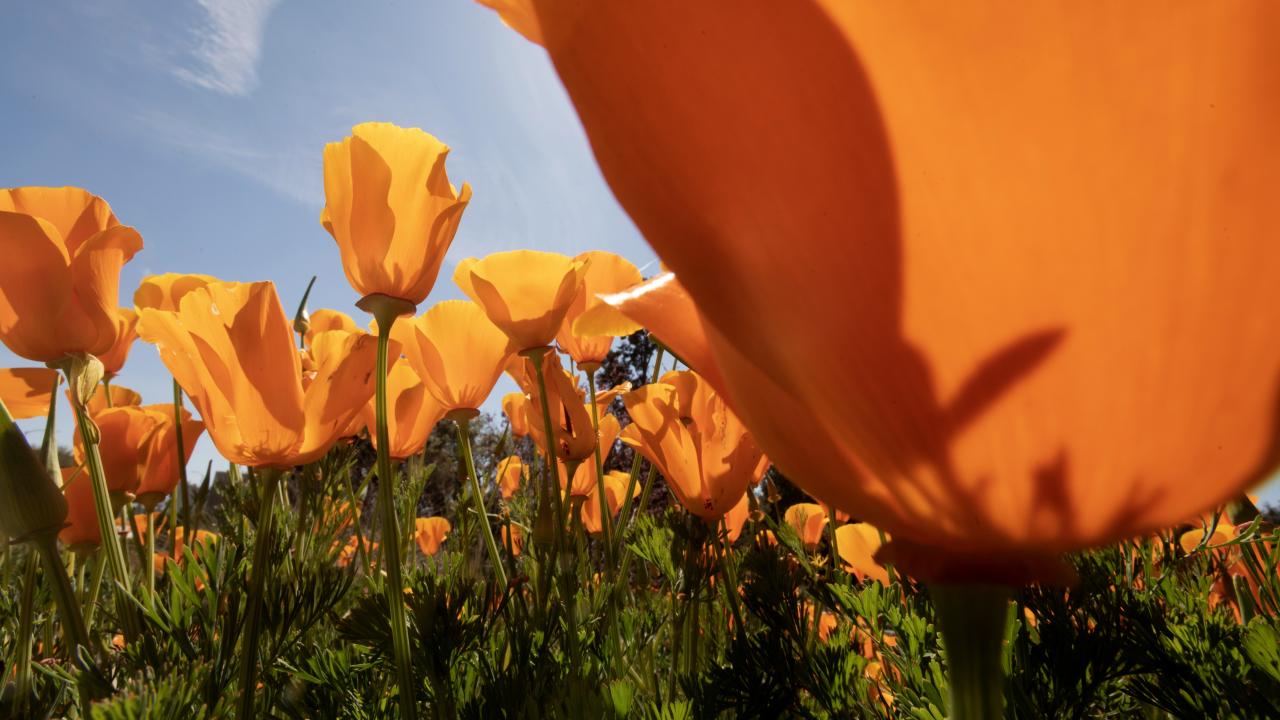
<point x="31" y="504"/>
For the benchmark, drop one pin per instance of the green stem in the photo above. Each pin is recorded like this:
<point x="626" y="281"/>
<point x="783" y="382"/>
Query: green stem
<point x="550" y="436"/>
<point x="624" y="514"/>
<point x="358" y="522"/>
<point x="257" y="581"/>
<point x="729" y="578"/>
<point x="606" y="519"/>
<point x="110" y="539"/>
<point x="973" y="621"/>
<point x="73" y="622"/>
<point x="836" y="561"/>
<point x="182" y="462"/>
<point x="95" y="587"/>
<point x="151" y="558"/>
<point x="464" y="439"/>
<point x="24" y="639"/>
<point x="394" y="585"/>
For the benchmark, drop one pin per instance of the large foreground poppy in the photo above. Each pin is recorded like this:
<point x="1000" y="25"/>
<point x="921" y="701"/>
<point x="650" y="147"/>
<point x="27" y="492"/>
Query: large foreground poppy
<point x="996" y="278"/>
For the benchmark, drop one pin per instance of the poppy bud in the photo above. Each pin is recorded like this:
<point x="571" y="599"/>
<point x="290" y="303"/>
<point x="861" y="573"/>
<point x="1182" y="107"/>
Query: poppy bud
<point x="30" y="503"/>
<point x="83" y="371"/>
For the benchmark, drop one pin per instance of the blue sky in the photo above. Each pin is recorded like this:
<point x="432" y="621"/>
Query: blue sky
<point x="203" y="122"/>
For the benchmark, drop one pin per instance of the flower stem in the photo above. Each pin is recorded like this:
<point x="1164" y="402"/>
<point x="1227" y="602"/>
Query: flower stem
<point x="151" y="558"/>
<point x="606" y="519"/>
<point x="257" y="581"/>
<point x="973" y="621"/>
<point x="551" y="485"/>
<point x="182" y="461"/>
<point x="90" y="604"/>
<point x="394" y="585"/>
<point x="464" y="438"/>
<point x="110" y="541"/>
<point x="24" y="639"/>
<point x="73" y="623"/>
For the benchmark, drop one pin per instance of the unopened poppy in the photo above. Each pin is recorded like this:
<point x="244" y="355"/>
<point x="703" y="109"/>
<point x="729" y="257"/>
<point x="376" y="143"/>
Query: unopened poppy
<point x="82" y="532"/>
<point x="858" y="544"/>
<point x="63" y="250"/>
<point x="575" y="435"/>
<point x="324" y="319"/>
<point x="124" y="432"/>
<point x="526" y="293"/>
<point x="809" y="520"/>
<point x="1018" y="265"/>
<point x="615" y="490"/>
<point x="160" y="464"/>
<point x="391" y="208"/>
<point x="514" y="407"/>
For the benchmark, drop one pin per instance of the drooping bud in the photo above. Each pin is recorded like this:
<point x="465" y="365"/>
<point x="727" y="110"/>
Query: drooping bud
<point x="30" y="503"/>
<point x="302" y="318"/>
<point x="84" y="372"/>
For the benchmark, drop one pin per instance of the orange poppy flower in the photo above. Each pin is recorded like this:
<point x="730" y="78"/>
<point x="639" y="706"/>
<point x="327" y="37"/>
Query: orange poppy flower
<point x="706" y="454"/>
<point x="230" y="346"/>
<point x="513" y="538"/>
<point x="140" y="523"/>
<point x="605" y="273"/>
<point x="120" y="397"/>
<point x="858" y="544"/>
<point x="391" y="208"/>
<point x="124" y="435"/>
<point x="514" y="407"/>
<point x="584" y="477"/>
<point x="81" y="532"/>
<point x="348" y="552"/>
<point x="520" y="371"/>
<point x="457" y="352"/>
<point x="575" y="435"/>
<point x="430" y="533"/>
<point x="736" y="518"/>
<point x="27" y="392"/>
<point x="411" y="412"/>
<point x="165" y="292"/>
<point x="526" y="293"/>
<point x="126" y="332"/>
<point x="202" y="539"/>
<point x="160" y="464"/>
<point x="510" y="475"/>
<point x="615" y="490"/>
<point x="324" y="320"/>
<point x="58" y="285"/>
<point x="809" y="520"/>
<point x="1024" y="261"/>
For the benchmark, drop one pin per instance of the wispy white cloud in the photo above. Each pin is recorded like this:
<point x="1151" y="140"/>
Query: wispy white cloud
<point x="292" y="171"/>
<point x="228" y="43"/>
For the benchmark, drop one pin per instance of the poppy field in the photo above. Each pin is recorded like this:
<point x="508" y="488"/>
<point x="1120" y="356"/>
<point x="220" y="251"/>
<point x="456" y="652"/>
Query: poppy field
<point x="947" y="401"/>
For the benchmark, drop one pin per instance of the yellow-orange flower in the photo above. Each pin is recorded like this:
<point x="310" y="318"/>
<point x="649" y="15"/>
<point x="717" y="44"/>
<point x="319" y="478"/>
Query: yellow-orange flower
<point x="605" y="273"/>
<point x="809" y="520"/>
<point x="584" y="477"/>
<point x="63" y="250"/>
<point x="124" y="435"/>
<point x="82" y="531"/>
<point x="736" y="518"/>
<point x="165" y="292"/>
<point x="510" y="475"/>
<point x="514" y="537"/>
<point x="526" y="293"/>
<point x="120" y="397"/>
<point x="202" y="538"/>
<point x="1017" y="264"/>
<point x="126" y="332"/>
<point x="411" y="412"/>
<point x="430" y="533"/>
<point x="514" y="406"/>
<point x="27" y="392"/>
<point x="457" y="352"/>
<point x="615" y="490"/>
<point x="230" y="346"/>
<point x="324" y="320"/>
<point x="391" y="208"/>
<point x="706" y="454"/>
<point x="858" y="544"/>
<point x="160" y="464"/>
<point x="574" y="433"/>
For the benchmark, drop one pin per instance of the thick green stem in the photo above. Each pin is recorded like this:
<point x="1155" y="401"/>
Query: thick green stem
<point x="90" y="604"/>
<point x="182" y="461"/>
<point x="257" y="581"/>
<point x="110" y="542"/>
<point x="24" y="639"/>
<point x="151" y="558"/>
<point x="464" y="439"/>
<point x="550" y="434"/>
<point x="394" y="585"/>
<point x="836" y="561"/>
<point x="973" y="621"/>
